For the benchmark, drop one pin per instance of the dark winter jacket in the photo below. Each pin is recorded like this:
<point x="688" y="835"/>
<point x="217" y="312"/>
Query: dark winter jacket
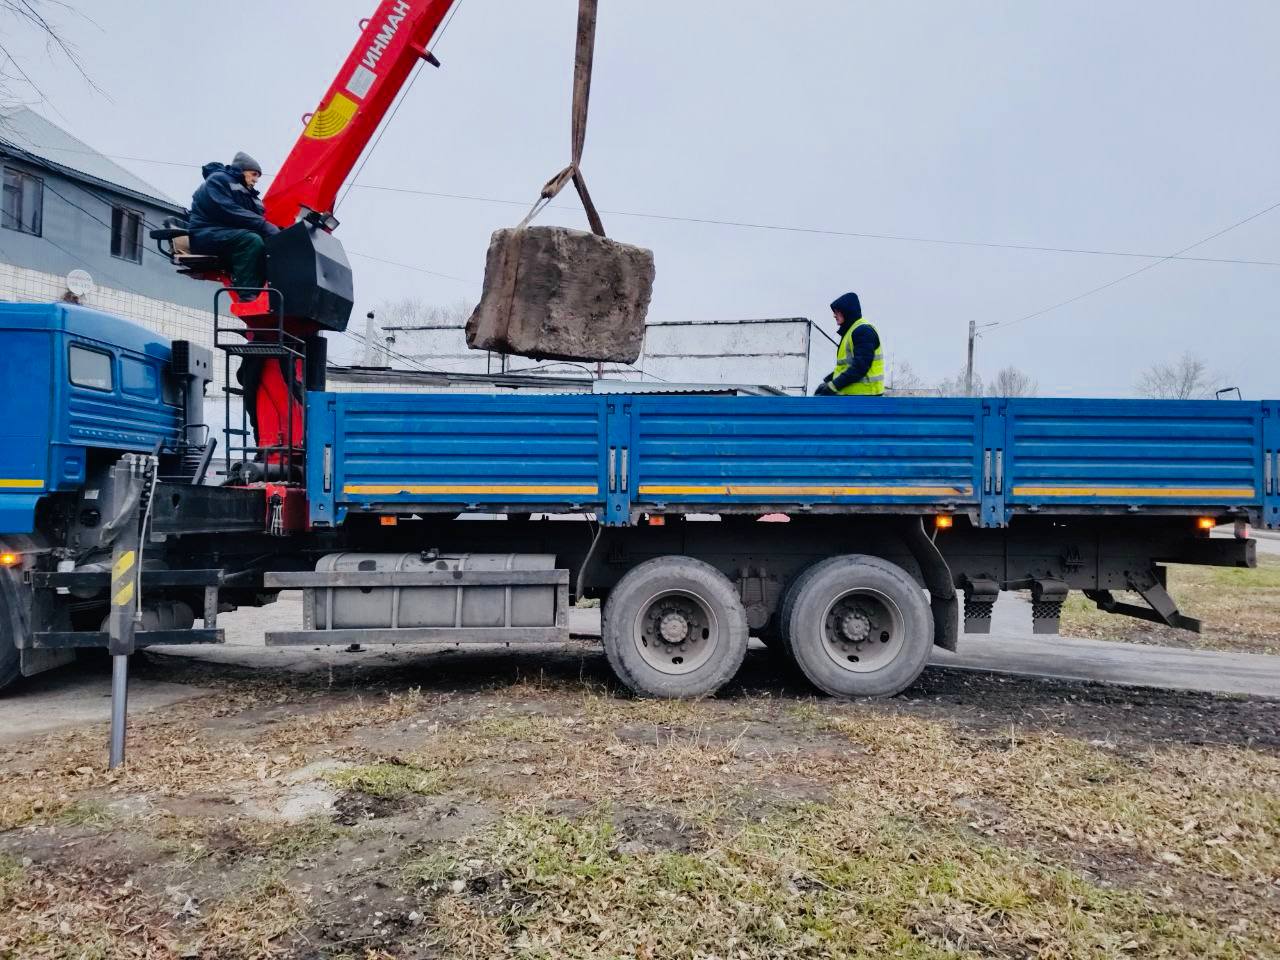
<point x="224" y="205"/>
<point x="865" y="341"/>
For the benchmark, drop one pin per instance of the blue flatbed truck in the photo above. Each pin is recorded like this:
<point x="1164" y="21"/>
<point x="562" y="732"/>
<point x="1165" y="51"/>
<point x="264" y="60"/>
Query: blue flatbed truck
<point x="851" y="534"/>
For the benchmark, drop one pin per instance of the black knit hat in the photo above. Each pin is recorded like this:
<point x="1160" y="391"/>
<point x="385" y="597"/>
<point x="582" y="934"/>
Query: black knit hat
<point x="246" y="162"/>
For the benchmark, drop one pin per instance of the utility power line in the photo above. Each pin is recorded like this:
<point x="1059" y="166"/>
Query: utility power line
<point x="409" y="266"/>
<point x="822" y="231"/>
<point x="739" y="224"/>
<point x="1133" y="273"/>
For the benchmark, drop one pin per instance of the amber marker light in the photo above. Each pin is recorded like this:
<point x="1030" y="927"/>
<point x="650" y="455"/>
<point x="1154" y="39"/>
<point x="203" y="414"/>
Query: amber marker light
<point x="8" y="559"/>
<point x="1205" y="524"/>
<point x="388" y="520"/>
<point x="944" y="521"/>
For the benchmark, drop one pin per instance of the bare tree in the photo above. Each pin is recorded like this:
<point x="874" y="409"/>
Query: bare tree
<point x="905" y="382"/>
<point x="389" y="336"/>
<point x="21" y="23"/>
<point x="388" y="319"/>
<point x="455" y="314"/>
<point x="955" y="386"/>
<point x="1187" y="378"/>
<point x="1012" y="382"/>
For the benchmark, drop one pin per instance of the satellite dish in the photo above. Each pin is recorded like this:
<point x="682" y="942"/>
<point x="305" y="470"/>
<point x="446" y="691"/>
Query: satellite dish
<point x="80" y="283"/>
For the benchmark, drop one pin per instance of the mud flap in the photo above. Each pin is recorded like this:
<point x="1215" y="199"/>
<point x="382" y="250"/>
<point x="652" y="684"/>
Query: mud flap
<point x="17" y="659"/>
<point x="943" y="599"/>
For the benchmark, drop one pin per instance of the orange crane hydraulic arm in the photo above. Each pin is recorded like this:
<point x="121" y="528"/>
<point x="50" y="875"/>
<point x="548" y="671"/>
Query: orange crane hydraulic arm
<point x="390" y="43"/>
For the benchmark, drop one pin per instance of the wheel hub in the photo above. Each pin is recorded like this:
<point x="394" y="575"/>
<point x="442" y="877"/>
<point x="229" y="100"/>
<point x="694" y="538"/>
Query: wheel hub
<point x="676" y="632"/>
<point x="855" y="626"/>
<point x="862" y="630"/>
<point x="673" y="627"/>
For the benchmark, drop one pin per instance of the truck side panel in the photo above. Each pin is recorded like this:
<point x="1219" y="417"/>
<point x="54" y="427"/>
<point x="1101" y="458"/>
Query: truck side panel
<point x="394" y="453"/>
<point x="623" y="455"/>
<point x="916" y="453"/>
<point x="1154" y="455"/>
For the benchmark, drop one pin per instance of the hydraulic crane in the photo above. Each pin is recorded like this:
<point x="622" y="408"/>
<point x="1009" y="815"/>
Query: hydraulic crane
<point x="309" y="282"/>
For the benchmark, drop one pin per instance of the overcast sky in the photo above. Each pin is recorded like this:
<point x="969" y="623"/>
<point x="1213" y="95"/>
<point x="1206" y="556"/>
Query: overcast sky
<point x="1138" y="126"/>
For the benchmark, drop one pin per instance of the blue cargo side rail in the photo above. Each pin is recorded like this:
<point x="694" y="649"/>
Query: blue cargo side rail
<point x="621" y="457"/>
<point x="449" y="452"/>
<point x="699" y="453"/>
<point x="1138" y="456"/>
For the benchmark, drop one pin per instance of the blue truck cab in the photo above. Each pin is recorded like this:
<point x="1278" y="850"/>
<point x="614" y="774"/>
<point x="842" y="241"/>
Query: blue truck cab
<point x="79" y="383"/>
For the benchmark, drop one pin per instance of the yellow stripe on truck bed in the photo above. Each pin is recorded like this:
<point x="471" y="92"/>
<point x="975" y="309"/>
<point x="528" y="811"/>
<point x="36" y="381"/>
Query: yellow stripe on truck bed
<point x="1189" y="493"/>
<point x="779" y="490"/>
<point x="21" y="484"/>
<point x="438" y="489"/>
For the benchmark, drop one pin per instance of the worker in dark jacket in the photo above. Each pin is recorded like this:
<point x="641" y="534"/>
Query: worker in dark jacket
<point x="859" y="369"/>
<point x="227" y="219"/>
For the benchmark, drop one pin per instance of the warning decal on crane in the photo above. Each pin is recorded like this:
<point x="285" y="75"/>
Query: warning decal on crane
<point x="332" y="120"/>
<point x="361" y="81"/>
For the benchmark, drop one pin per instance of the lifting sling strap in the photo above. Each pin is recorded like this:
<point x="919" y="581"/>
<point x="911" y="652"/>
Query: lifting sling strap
<point x="582" y="64"/>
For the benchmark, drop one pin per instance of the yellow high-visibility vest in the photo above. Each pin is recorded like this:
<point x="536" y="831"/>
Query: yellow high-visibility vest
<point x="872" y="385"/>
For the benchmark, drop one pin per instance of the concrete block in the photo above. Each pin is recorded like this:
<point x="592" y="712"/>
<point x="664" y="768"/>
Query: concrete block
<point x="555" y="293"/>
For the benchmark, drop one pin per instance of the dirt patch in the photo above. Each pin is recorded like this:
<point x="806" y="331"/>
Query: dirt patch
<point x="644" y="831"/>
<point x="1089" y="711"/>
<point x="355" y="807"/>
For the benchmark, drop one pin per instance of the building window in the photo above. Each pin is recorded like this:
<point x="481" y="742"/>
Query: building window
<point x="90" y="368"/>
<point x="126" y="234"/>
<point x="23" y="202"/>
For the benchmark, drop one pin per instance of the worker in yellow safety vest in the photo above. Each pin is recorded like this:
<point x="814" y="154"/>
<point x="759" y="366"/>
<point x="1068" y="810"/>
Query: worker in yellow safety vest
<point x="859" y="369"/>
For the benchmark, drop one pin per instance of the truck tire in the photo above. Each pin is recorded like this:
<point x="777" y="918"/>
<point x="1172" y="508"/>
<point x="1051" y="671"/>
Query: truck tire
<point x="674" y="627"/>
<point x="789" y="604"/>
<point x="859" y="626"/>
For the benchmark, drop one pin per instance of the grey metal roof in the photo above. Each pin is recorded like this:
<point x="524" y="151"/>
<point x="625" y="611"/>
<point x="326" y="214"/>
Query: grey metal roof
<point x="32" y="134"/>
<point x="358" y="374"/>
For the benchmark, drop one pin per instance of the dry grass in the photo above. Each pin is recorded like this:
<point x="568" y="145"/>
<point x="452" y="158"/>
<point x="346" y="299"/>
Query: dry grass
<point x="1240" y="610"/>
<point x="1194" y="810"/>
<point x="388" y="779"/>
<point x="172" y="756"/>
<point x="808" y="829"/>
<point x="828" y="880"/>
<point x="47" y="916"/>
<point x="251" y="925"/>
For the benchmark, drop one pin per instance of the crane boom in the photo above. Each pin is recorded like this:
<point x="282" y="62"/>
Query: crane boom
<point x="390" y="43"/>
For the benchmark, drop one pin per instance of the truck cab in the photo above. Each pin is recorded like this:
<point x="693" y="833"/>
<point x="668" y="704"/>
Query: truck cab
<point x="85" y="391"/>
<point x="82" y="387"/>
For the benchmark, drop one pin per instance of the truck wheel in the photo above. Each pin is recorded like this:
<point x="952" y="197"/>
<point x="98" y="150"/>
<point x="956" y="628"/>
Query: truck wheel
<point x="859" y="626"/>
<point x="674" y="627"/>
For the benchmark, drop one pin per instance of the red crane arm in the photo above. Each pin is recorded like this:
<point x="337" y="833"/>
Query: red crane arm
<point x="391" y="41"/>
